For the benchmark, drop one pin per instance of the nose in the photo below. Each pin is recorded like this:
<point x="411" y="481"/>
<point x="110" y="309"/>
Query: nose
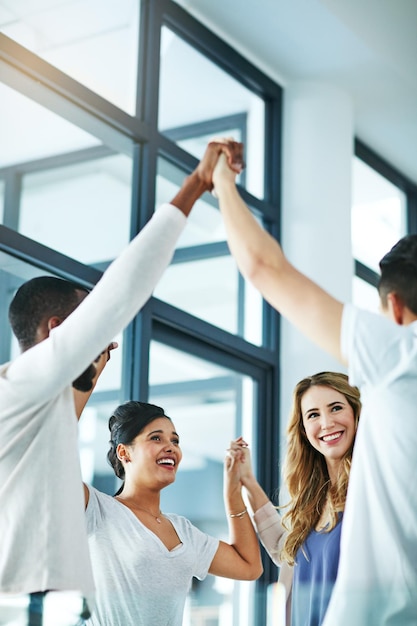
<point x="326" y="421"/>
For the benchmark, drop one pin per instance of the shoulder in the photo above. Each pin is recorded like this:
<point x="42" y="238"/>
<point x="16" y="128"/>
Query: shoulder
<point x="372" y="344"/>
<point x="182" y="523"/>
<point x="189" y="531"/>
<point x="99" y="502"/>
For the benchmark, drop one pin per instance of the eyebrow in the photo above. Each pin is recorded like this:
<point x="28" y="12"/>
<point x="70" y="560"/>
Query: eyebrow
<point x="329" y="405"/>
<point x="153" y="432"/>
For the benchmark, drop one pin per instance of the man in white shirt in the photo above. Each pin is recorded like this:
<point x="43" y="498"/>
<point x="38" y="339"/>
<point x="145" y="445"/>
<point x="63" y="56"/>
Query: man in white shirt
<point x="377" y="576"/>
<point x="61" y="329"/>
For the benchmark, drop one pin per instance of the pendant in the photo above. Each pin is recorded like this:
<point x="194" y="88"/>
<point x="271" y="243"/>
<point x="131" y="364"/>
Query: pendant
<point x="158" y="520"/>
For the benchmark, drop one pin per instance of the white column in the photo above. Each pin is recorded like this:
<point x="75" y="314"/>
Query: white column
<point x="316" y="232"/>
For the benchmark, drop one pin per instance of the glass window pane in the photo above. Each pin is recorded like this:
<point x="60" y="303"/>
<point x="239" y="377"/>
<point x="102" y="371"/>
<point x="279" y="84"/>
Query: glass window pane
<point x="378" y="215"/>
<point x="93" y="41"/>
<point x="210" y="405"/>
<point x="203" y="279"/>
<point x="365" y="295"/>
<point x="191" y="112"/>
<point x="81" y="210"/>
<point x="1" y="201"/>
<point x="29" y="131"/>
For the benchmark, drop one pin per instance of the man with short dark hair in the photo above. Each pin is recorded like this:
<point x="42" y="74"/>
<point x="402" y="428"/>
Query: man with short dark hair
<point x="61" y="330"/>
<point x="377" y="576"/>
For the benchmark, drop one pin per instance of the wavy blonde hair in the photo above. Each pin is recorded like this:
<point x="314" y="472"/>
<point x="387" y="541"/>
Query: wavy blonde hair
<point x="305" y="470"/>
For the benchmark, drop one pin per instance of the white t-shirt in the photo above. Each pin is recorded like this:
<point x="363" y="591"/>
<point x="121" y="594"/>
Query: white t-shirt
<point x="139" y="581"/>
<point x="43" y="539"/>
<point x="377" y="577"/>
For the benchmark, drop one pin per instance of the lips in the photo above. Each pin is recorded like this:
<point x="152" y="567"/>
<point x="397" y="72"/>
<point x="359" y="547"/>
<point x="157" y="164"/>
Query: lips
<point x="332" y="437"/>
<point x="167" y="462"/>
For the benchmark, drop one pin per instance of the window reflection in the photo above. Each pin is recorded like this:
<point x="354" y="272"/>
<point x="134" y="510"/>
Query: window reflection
<point x="1" y="201"/>
<point x="81" y="210"/>
<point x="94" y="41"/>
<point x="378" y="215"/>
<point x="190" y="110"/>
<point x="365" y="295"/>
<point x="29" y="131"/>
<point x="210" y="405"/>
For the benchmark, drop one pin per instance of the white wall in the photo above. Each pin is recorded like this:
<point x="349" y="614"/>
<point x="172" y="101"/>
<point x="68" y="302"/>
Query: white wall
<point x="318" y="146"/>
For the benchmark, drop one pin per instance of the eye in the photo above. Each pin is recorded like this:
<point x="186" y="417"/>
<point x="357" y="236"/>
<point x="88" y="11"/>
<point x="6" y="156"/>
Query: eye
<point x="337" y="407"/>
<point x="155" y="438"/>
<point x="312" y="415"/>
<point x="176" y="441"/>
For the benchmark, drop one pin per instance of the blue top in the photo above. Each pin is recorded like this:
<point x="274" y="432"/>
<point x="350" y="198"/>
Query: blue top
<point x="314" y="578"/>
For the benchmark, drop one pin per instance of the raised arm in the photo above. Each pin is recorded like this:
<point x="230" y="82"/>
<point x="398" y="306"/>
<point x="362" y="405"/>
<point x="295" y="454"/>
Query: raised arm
<point x="240" y="559"/>
<point x="261" y="260"/>
<point x="122" y="291"/>
<point x="81" y="397"/>
<point x="256" y="495"/>
<point x="266" y="517"/>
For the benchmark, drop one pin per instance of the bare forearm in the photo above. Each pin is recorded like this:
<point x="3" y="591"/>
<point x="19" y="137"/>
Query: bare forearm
<point x="191" y="190"/>
<point x="261" y="260"/>
<point x="256" y="495"/>
<point x="243" y="541"/>
<point x="251" y="245"/>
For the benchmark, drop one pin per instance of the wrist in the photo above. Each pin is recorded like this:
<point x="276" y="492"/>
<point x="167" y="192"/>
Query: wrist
<point x="197" y="183"/>
<point x="248" y="481"/>
<point x="224" y="184"/>
<point x="239" y="514"/>
<point x="191" y="190"/>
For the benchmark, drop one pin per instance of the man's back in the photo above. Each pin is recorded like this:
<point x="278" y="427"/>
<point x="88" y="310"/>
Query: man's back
<point x="377" y="577"/>
<point x="40" y="492"/>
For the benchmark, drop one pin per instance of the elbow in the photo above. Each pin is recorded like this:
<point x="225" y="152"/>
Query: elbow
<point x="252" y="268"/>
<point x="254" y="572"/>
<point x="259" y="571"/>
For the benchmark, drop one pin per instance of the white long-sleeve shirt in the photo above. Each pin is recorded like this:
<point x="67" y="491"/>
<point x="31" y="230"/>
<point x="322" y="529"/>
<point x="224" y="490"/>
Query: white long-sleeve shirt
<point x="43" y="539"/>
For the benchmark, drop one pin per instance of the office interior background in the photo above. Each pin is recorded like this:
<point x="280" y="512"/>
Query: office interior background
<point x="106" y="105"/>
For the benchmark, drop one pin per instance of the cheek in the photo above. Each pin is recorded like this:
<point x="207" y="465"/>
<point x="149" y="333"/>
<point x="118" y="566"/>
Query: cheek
<point x="310" y="432"/>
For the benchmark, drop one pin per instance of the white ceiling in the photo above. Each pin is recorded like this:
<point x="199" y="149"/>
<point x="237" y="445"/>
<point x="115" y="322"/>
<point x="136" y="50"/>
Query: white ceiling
<point x="366" y="47"/>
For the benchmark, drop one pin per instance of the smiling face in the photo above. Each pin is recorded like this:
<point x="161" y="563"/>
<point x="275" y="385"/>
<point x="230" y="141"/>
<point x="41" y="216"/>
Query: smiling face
<point x="329" y="422"/>
<point x="154" y="455"/>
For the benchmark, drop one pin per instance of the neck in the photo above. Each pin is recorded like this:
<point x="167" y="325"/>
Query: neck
<point x="145" y="499"/>
<point x="333" y="470"/>
<point x="139" y="505"/>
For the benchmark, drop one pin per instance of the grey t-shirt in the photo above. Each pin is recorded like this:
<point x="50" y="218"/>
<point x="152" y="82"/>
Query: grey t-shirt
<point x="139" y="582"/>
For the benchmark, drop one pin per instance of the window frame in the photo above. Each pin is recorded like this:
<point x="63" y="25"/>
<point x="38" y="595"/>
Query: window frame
<point x="138" y="137"/>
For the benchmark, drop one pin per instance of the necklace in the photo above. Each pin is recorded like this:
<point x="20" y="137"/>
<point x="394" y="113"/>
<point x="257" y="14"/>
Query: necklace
<point x="156" y="517"/>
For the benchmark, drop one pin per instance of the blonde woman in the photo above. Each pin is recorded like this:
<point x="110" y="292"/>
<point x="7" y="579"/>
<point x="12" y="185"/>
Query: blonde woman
<point x="305" y="541"/>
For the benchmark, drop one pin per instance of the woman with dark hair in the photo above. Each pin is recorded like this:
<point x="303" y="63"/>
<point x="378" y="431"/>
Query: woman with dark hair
<point x="144" y="560"/>
<point x="305" y="542"/>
